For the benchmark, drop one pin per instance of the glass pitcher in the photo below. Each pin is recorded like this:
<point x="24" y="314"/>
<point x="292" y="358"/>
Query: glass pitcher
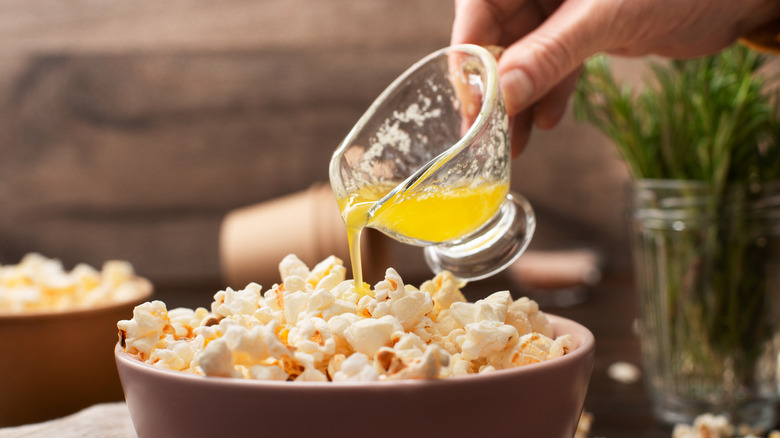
<point x="428" y="164"/>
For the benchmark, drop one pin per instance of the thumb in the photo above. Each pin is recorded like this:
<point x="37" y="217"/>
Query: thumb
<point x="534" y="65"/>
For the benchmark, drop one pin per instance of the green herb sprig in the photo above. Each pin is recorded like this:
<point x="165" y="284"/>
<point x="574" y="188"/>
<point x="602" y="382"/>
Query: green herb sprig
<point x="706" y="276"/>
<point x="706" y="119"/>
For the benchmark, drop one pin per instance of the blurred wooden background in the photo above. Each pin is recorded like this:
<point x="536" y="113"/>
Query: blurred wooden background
<point x="129" y="129"/>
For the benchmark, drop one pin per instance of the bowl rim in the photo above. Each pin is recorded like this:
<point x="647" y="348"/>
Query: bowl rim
<point x="146" y="291"/>
<point x="585" y="347"/>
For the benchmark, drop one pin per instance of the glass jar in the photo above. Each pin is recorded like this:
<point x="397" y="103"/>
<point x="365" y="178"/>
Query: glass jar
<point x="707" y="268"/>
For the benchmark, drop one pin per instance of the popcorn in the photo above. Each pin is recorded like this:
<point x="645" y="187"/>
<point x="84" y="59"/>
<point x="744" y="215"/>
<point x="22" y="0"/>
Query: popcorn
<point x="176" y="356"/>
<point x="356" y="367"/>
<point x="460" y="366"/>
<point x="39" y="283"/>
<point x="428" y="366"/>
<point x="710" y="425"/>
<point x="309" y="372"/>
<point x="534" y="348"/>
<point x="217" y="360"/>
<point x="393" y="298"/>
<point x="485" y="337"/>
<point x="328" y="273"/>
<point x="314" y="337"/>
<point x="530" y="309"/>
<point x="292" y="265"/>
<point x="408" y="345"/>
<point x="315" y="326"/>
<point x="142" y="334"/>
<point x="183" y="320"/>
<point x="269" y="372"/>
<point x="255" y="344"/>
<point x="368" y="335"/>
<point x="706" y="425"/>
<point x="294" y="304"/>
<point x="229" y="302"/>
<point x="584" y="425"/>
<point x="624" y="372"/>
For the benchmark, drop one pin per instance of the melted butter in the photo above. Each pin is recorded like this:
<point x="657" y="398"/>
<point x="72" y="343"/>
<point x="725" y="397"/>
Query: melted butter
<point x="433" y="215"/>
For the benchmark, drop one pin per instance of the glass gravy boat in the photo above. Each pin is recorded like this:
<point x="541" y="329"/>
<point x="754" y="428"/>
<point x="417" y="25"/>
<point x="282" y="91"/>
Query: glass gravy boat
<point x="428" y="164"/>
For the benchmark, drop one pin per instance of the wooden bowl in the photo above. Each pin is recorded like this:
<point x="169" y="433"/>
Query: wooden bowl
<point x="56" y="363"/>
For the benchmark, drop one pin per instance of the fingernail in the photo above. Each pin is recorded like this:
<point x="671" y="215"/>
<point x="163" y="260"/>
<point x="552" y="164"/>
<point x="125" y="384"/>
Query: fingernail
<point x="518" y="90"/>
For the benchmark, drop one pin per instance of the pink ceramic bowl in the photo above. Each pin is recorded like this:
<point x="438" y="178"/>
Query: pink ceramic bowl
<point x="56" y="363"/>
<point x="536" y="401"/>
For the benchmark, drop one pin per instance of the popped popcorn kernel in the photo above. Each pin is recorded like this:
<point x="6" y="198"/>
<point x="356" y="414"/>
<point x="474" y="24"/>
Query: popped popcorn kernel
<point x="709" y="425"/>
<point x="229" y="302"/>
<point x="532" y="348"/>
<point x="427" y="366"/>
<point x="217" y="360"/>
<point x="624" y="372"/>
<point x="485" y="337"/>
<point x="267" y="372"/>
<point x="706" y="425"/>
<point x="292" y="265"/>
<point x="444" y="289"/>
<point x="142" y="333"/>
<point x="315" y="326"/>
<point x="356" y="367"/>
<point x="176" y="356"/>
<point x="584" y="425"/>
<point x="327" y="273"/>
<point x="368" y="335"/>
<point x="536" y="317"/>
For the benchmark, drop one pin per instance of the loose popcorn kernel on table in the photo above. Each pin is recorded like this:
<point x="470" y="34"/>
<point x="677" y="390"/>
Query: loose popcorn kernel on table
<point x="314" y="326"/>
<point x="717" y="426"/>
<point x="39" y="283"/>
<point x="583" y="426"/>
<point x="624" y="372"/>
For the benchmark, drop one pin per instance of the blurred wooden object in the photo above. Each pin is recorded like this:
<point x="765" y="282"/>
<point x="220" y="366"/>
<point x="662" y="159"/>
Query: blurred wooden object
<point x="130" y="129"/>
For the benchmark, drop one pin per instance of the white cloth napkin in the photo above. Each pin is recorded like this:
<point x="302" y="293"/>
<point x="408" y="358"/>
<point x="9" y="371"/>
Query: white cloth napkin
<point x="106" y="420"/>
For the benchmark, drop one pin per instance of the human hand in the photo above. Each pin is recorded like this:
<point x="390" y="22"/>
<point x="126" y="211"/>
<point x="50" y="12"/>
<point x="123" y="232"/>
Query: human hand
<point x="548" y="40"/>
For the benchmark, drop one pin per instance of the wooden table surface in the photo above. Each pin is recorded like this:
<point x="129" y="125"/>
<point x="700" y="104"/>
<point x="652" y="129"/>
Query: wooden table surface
<point x="620" y="410"/>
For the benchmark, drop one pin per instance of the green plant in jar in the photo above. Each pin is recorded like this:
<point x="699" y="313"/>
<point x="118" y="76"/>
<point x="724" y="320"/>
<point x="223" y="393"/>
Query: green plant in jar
<point x="701" y="139"/>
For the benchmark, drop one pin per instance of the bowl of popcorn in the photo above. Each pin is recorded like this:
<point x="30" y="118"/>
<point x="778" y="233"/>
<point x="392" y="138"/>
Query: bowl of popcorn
<point x="57" y="334"/>
<point x="314" y="356"/>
